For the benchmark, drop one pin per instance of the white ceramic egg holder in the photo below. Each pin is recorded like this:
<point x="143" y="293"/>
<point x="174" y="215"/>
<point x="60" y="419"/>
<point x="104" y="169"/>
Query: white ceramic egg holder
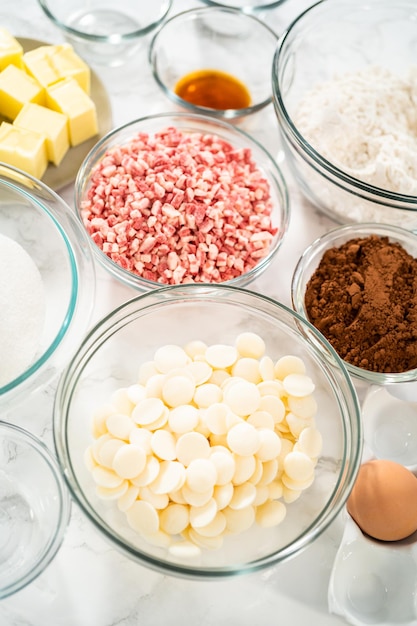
<point x="373" y="582"/>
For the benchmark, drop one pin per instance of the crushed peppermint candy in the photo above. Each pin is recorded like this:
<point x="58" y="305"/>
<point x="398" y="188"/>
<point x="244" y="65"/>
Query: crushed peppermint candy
<point x="180" y="207"/>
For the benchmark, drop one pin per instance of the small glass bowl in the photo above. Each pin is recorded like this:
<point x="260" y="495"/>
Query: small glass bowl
<point x="218" y="40"/>
<point x="109" y="360"/>
<point x="247" y="6"/>
<point x="185" y="123"/>
<point x="327" y="41"/>
<point x="308" y="263"/>
<point x="41" y="223"/>
<point x="34" y="508"/>
<point x="103" y="32"/>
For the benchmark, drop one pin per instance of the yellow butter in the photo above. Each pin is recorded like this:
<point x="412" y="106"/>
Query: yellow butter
<point x="50" y="123"/>
<point x="50" y="63"/>
<point x="23" y="149"/>
<point x="11" y="52"/>
<point x="66" y="96"/>
<point x="17" y="88"/>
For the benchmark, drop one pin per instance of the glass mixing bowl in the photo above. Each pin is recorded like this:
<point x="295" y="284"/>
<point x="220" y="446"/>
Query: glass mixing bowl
<point x="53" y="245"/>
<point x="223" y="51"/>
<point x="309" y="262"/>
<point x="109" y="362"/>
<point x="34" y="508"/>
<point x="349" y="152"/>
<point x="104" y="33"/>
<point x="123" y="220"/>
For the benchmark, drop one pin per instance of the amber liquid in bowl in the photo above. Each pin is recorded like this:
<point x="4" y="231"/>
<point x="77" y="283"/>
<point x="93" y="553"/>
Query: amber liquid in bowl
<point x="213" y="89"/>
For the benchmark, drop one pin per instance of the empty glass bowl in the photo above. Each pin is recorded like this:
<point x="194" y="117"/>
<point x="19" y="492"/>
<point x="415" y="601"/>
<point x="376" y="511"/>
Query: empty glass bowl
<point x="103" y="32"/>
<point x="340" y="71"/>
<point x="179" y="198"/>
<point x="118" y="352"/>
<point x="34" y="508"/>
<point x="247" y="6"/>
<point x="48" y="284"/>
<point x="214" y="60"/>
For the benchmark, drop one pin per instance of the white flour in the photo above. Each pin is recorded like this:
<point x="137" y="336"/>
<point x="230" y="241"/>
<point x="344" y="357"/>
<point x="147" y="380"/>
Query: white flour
<point x="22" y="309"/>
<point x="366" y="124"/>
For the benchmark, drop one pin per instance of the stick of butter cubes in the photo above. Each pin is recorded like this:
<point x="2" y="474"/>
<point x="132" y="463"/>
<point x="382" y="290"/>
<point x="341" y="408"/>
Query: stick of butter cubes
<point x="45" y="104"/>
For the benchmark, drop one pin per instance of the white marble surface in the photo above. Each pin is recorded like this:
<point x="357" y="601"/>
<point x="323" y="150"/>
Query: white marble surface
<point x="89" y="583"/>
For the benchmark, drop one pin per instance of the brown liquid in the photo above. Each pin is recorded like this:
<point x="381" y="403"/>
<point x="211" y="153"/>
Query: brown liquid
<point x="213" y="89"/>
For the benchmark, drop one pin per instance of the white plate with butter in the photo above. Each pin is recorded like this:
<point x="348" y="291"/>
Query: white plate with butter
<point x="57" y="177"/>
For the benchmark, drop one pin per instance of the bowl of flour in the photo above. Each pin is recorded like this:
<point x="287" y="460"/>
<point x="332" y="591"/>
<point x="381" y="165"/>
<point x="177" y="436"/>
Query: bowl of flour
<point x="47" y="283"/>
<point x="345" y="96"/>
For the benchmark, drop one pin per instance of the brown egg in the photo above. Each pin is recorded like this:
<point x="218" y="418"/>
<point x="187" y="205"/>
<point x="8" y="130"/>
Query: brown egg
<point x="383" y="501"/>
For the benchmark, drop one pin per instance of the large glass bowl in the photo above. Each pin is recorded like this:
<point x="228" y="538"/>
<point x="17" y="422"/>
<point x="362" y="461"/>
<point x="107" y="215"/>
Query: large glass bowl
<point x="109" y="361"/>
<point x="217" y="39"/>
<point x="133" y="189"/>
<point x="308" y="263"/>
<point x="47" y="230"/>
<point x="326" y="42"/>
<point x="34" y="508"/>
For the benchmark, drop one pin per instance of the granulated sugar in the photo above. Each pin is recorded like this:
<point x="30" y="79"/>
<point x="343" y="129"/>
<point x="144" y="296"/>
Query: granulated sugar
<point x="22" y="309"/>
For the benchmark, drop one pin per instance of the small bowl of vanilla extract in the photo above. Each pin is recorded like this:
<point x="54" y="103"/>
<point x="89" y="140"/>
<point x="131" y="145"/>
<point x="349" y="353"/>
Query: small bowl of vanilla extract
<point x="214" y="60"/>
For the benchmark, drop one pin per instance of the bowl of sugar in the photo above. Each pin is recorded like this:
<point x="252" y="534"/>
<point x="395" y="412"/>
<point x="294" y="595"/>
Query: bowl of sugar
<point x="44" y="302"/>
<point x="204" y="434"/>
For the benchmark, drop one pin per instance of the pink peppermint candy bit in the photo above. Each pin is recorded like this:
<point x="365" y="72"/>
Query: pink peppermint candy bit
<point x="180" y="207"/>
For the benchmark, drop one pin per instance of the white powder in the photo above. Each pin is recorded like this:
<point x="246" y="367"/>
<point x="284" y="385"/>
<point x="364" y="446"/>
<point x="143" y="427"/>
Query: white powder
<point x="22" y="309"/>
<point x="366" y="124"/>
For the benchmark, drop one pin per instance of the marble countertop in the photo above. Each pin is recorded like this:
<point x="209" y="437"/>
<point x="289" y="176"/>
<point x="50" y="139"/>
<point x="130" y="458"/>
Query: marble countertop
<point x="89" y="583"/>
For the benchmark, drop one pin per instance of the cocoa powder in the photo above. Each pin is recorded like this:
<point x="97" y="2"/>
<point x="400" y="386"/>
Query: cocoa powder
<point x="363" y="298"/>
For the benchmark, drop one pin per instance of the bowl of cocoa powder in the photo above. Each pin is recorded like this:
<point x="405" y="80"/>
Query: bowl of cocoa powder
<point x="357" y="284"/>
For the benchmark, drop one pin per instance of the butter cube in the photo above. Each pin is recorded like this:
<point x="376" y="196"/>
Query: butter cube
<point x="50" y="123"/>
<point x="11" y="52"/>
<point x="50" y="63"/>
<point x="24" y="149"/>
<point x="66" y="96"/>
<point x="17" y="88"/>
